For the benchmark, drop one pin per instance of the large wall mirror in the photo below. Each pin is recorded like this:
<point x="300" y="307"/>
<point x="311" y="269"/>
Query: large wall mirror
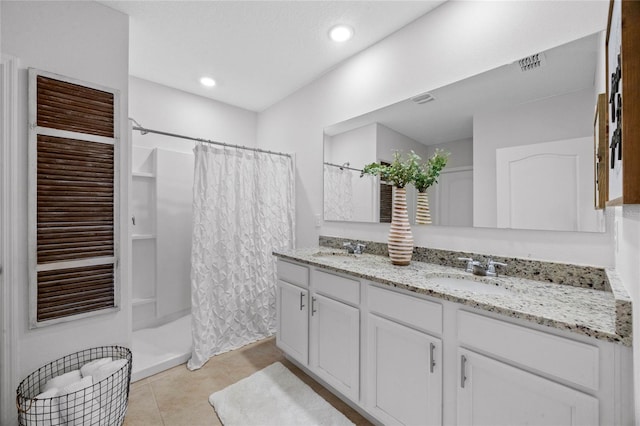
<point x="520" y="138"/>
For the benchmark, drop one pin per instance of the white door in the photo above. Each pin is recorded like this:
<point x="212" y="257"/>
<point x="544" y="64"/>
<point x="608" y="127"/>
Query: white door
<point x="406" y="374"/>
<point x="494" y="393"/>
<point x="293" y="321"/>
<point x="335" y="343"/>
<point x="546" y="186"/>
<point x="452" y="198"/>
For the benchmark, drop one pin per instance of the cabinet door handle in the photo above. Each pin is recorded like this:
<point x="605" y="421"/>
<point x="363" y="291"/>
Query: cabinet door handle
<point x="432" y="361"/>
<point x="301" y="300"/>
<point x="463" y="365"/>
<point x="313" y="306"/>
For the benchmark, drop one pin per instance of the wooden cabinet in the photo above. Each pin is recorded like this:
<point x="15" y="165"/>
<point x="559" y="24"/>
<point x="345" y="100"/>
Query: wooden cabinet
<point x="405" y="368"/>
<point x="335" y="344"/>
<point x="623" y="96"/>
<point x="494" y="393"/>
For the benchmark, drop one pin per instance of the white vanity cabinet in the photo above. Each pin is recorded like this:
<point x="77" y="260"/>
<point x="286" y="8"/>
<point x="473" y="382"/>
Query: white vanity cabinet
<point x="292" y="302"/>
<point x="319" y="324"/>
<point x="403" y="358"/>
<point x="491" y="392"/>
<point x="334" y="337"/>
<point x="404" y="363"/>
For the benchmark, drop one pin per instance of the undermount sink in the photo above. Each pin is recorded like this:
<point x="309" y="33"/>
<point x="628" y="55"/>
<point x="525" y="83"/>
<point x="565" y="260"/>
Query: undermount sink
<point x="337" y="253"/>
<point x="469" y="285"/>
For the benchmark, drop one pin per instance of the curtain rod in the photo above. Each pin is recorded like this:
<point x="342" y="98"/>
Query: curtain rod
<point x="144" y="130"/>
<point x="344" y="166"/>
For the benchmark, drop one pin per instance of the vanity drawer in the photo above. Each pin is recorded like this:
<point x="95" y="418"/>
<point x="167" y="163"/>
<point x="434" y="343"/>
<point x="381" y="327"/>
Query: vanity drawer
<point x="337" y="287"/>
<point x="292" y="273"/>
<point x="566" y="359"/>
<point x="418" y="313"/>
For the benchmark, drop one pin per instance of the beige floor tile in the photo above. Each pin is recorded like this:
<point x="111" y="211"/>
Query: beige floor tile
<point x="142" y="409"/>
<point x="181" y="397"/>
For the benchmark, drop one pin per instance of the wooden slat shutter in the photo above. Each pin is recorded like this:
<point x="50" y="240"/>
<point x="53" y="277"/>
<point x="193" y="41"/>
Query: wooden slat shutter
<point x="73" y="200"/>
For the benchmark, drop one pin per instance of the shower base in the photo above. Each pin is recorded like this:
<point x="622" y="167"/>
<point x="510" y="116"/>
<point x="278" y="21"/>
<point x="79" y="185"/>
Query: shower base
<point x="160" y="348"/>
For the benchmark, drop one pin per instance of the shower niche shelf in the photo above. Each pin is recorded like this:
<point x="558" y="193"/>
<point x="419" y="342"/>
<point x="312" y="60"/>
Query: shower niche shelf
<point x="142" y="236"/>
<point x="142" y="301"/>
<point x="147" y="175"/>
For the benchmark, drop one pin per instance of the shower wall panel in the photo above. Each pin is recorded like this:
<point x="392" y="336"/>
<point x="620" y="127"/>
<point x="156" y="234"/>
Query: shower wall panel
<point x="174" y="226"/>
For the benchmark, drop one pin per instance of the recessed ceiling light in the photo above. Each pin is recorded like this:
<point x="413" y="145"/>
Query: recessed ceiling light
<point x="207" y="81"/>
<point x="341" y="33"/>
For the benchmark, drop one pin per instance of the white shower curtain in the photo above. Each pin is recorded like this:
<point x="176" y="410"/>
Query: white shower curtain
<point x="338" y="193"/>
<point x="243" y="209"/>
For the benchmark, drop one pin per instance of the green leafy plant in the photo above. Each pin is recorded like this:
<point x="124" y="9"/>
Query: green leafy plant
<point x="427" y="174"/>
<point x="399" y="173"/>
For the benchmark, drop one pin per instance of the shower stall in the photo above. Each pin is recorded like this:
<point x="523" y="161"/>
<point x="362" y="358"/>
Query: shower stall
<point x="161" y="228"/>
<point x="243" y="205"/>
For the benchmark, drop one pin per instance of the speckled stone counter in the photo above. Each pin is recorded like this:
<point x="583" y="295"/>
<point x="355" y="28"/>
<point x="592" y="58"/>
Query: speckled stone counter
<point x="604" y="315"/>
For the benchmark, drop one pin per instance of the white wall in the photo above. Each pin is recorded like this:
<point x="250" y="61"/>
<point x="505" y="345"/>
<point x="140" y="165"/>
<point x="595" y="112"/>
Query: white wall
<point x="357" y="146"/>
<point x="557" y="118"/>
<point x="89" y="42"/>
<point x="463" y="38"/>
<point x="162" y="108"/>
<point x="627" y="250"/>
<point x="166" y="109"/>
<point x="388" y="141"/>
<point x="461" y="152"/>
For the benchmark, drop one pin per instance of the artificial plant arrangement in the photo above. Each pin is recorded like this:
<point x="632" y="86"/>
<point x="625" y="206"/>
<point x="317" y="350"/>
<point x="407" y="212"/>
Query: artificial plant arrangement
<point x="399" y="173"/>
<point x="427" y="173"/>
<point x="426" y="176"/>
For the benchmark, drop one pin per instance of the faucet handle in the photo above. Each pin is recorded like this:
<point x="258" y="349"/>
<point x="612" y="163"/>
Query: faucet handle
<point x="470" y="263"/>
<point x="491" y="266"/>
<point x="360" y="248"/>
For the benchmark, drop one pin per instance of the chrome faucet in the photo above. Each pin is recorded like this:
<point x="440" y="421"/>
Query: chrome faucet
<point x="354" y="248"/>
<point x="490" y="270"/>
<point x="476" y="268"/>
<point x="470" y="263"/>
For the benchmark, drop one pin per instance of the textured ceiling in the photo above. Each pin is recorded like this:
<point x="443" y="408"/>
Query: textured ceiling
<point x="258" y="52"/>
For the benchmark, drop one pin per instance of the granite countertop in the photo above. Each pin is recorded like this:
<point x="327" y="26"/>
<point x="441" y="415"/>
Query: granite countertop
<point x="604" y="315"/>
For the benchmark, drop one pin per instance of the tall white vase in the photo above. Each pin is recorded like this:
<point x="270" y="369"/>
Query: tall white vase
<point x="400" y="242"/>
<point x="423" y="215"/>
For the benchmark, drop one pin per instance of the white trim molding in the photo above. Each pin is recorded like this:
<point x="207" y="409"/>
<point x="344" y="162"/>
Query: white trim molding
<point x="8" y="243"/>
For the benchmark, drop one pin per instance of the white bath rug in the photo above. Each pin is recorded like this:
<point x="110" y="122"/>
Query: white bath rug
<point x="273" y="396"/>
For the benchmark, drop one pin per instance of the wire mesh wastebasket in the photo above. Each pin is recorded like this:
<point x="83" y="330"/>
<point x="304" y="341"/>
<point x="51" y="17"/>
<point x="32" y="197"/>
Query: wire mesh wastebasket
<point x="102" y="403"/>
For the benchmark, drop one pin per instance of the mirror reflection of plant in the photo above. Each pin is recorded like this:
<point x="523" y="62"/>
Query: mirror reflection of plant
<point x="427" y="174"/>
<point x="399" y="173"/>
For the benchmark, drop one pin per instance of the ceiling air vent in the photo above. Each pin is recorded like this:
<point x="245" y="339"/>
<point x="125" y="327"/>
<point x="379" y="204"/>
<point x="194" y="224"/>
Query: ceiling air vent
<point x="423" y="98"/>
<point x="532" y="62"/>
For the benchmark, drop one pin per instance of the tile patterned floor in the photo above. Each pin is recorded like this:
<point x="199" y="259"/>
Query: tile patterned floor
<point x="179" y="397"/>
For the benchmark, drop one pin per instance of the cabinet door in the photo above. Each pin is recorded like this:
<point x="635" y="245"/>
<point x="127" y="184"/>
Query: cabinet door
<point x="334" y="345"/>
<point x="293" y="321"/>
<point x="494" y="393"/>
<point x="405" y="386"/>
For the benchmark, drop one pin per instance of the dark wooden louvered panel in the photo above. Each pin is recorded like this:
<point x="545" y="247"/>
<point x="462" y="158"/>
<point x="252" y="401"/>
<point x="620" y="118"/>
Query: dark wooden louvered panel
<point x="67" y="106"/>
<point x="386" y="202"/>
<point x="75" y="205"/>
<point x="73" y="291"/>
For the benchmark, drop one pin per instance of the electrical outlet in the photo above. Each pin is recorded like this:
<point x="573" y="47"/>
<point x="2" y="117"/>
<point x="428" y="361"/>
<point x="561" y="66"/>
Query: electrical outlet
<point x="318" y="220"/>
